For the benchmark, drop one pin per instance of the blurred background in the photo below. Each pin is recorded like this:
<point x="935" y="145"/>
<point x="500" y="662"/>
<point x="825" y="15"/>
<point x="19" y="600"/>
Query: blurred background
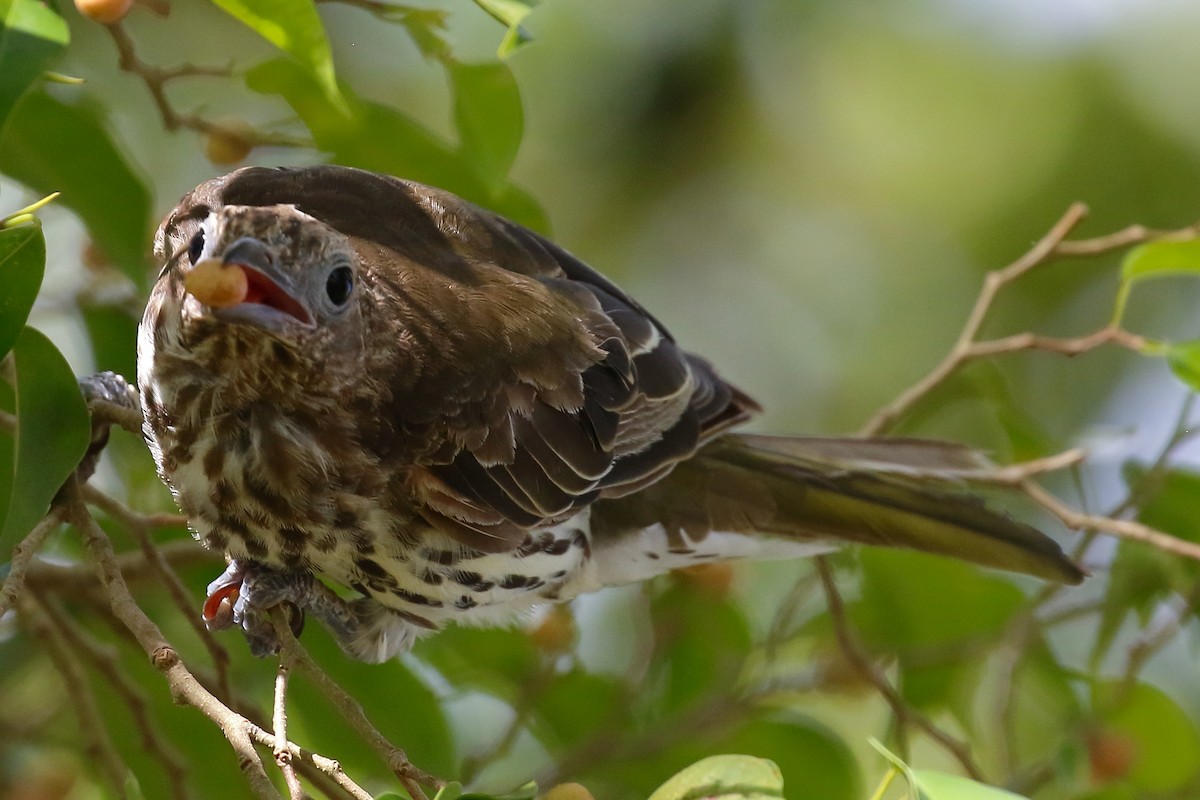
<point x="807" y="193"/>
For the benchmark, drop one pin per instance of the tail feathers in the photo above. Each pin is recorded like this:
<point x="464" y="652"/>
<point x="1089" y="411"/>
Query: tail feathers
<point x="822" y="493"/>
<point x="914" y="457"/>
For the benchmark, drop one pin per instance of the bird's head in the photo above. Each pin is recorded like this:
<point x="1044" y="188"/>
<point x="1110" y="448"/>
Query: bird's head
<point x="267" y="286"/>
<point x="272" y="268"/>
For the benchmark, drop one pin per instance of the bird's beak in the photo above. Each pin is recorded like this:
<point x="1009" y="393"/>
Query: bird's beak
<point x="245" y="285"/>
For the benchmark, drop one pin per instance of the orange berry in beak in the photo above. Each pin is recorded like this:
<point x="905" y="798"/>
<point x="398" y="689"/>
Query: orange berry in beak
<point x="217" y="284"/>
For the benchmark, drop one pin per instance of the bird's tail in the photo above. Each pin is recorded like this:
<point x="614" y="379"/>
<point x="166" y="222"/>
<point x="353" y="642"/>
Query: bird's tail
<point x="765" y="496"/>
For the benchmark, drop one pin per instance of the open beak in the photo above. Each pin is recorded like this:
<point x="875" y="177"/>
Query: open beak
<point x="259" y="295"/>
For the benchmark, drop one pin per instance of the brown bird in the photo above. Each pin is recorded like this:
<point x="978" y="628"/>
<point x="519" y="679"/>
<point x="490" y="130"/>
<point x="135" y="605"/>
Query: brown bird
<point x="406" y="395"/>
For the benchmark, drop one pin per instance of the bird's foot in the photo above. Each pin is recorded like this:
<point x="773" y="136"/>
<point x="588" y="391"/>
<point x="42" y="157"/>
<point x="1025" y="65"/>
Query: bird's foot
<point x="246" y="591"/>
<point x="110" y="400"/>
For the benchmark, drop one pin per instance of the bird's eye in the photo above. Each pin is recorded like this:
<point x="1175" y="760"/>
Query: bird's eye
<point x="196" y="247"/>
<point x="339" y="284"/>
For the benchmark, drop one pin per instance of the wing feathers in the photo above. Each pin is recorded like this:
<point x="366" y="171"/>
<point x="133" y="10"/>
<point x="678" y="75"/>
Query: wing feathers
<point x="532" y="383"/>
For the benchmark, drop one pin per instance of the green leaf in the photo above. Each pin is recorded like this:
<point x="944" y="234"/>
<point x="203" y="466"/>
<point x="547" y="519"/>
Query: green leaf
<point x="702" y="641"/>
<point x="380" y="138"/>
<point x="51" y="146"/>
<point x="53" y="430"/>
<point x="728" y="777"/>
<point x="32" y="36"/>
<point x="422" y="726"/>
<point x="906" y="615"/>
<point x="493" y="660"/>
<point x="933" y="785"/>
<point x="1141" y="577"/>
<point x="1154" y="260"/>
<point x="526" y="791"/>
<point x="1164" y="740"/>
<point x="577" y="704"/>
<point x="22" y="263"/>
<point x="813" y="760"/>
<point x="510" y="13"/>
<point x="1184" y="360"/>
<point x="133" y="789"/>
<point x="1173" y="504"/>
<point x="294" y="26"/>
<point x="1161" y="258"/>
<point x="487" y="111"/>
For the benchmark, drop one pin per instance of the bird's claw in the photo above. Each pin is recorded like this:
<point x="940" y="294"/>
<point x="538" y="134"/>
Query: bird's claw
<point x="110" y="399"/>
<point x="245" y="593"/>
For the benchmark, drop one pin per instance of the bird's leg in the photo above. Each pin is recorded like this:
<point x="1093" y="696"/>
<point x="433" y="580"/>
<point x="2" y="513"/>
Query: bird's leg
<point x="247" y="590"/>
<point x="110" y="399"/>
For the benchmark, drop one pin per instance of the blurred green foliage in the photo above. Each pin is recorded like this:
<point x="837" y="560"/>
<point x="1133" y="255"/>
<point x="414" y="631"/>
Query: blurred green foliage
<point x="806" y="192"/>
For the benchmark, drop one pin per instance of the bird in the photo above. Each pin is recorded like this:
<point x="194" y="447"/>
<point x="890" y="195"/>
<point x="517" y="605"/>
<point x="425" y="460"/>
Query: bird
<point x="394" y="410"/>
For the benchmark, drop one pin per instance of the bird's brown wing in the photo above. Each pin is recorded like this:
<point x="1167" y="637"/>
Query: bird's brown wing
<point x="543" y="386"/>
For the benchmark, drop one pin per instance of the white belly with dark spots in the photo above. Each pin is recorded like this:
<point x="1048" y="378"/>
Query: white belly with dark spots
<point x="441" y="581"/>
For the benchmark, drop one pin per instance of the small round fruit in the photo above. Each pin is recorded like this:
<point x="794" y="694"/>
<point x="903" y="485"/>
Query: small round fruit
<point x="228" y="143"/>
<point x="1111" y="755"/>
<point x="106" y="12"/>
<point x="713" y="579"/>
<point x="217" y="285"/>
<point x="568" y="791"/>
<point x="556" y="632"/>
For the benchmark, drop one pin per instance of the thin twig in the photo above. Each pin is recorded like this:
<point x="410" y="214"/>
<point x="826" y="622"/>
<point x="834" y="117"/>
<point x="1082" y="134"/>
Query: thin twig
<point x="323" y="764"/>
<point x="73" y="579"/>
<point x="139" y="526"/>
<point x="22" y="556"/>
<point x="782" y="620"/>
<point x="156" y="79"/>
<point x="184" y="686"/>
<point x="397" y="761"/>
<point x="283" y="756"/>
<point x="1155" y="638"/>
<point x="1123" y="528"/>
<point x="82" y="700"/>
<point x="1073" y="346"/>
<point x="127" y="516"/>
<point x="968" y="347"/>
<point x="857" y="656"/>
<point x="1015" y="474"/>
<point x="958" y="355"/>
<point x="104" y="659"/>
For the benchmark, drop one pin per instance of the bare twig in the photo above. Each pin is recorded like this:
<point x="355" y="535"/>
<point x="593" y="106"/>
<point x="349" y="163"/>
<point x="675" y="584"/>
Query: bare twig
<point x="1015" y="474"/>
<point x="156" y="79"/>
<point x="22" y="556"/>
<point x="283" y="755"/>
<point x="968" y="347"/>
<point x="98" y="744"/>
<point x="1156" y="637"/>
<point x="327" y="766"/>
<point x="857" y="656"/>
<point x="139" y="525"/>
<point x="72" y="579"/>
<point x="784" y="617"/>
<point x="1123" y="528"/>
<point x="395" y="758"/>
<point x="127" y="516"/>
<point x="184" y="686"/>
<point x="959" y="352"/>
<point x="104" y="660"/>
